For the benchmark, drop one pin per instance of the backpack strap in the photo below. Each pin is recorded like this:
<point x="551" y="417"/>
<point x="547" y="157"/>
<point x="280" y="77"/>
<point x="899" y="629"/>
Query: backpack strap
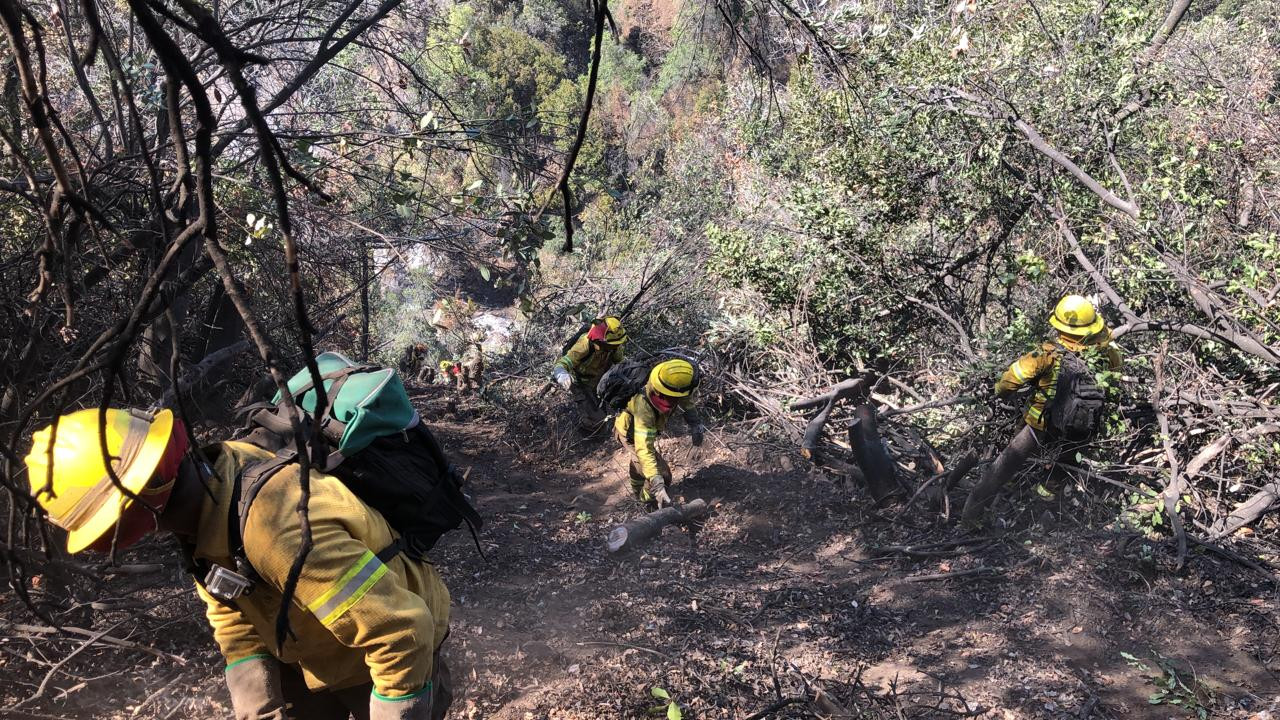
<point x="338" y="374"/>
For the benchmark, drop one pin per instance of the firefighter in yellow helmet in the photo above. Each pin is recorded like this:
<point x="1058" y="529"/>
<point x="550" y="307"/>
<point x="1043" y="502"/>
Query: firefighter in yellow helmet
<point x="671" y="385"/>
<point x="1081" y="329"/>
<point x="584" y="361"/>
<point x="366" y="627"/>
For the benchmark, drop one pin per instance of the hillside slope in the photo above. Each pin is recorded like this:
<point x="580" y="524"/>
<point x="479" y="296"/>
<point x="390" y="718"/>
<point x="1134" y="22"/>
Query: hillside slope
<point x="782" y="590"/>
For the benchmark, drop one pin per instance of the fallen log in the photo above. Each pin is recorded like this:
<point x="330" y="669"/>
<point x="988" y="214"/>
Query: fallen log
<point x="1259" y="504"/>
<point x="837" y="392"/>
<point x="871" y="454"/>
<point x="646" y="527"/>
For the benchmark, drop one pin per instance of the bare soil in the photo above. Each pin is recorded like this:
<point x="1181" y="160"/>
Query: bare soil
<point x="784" y="598"/>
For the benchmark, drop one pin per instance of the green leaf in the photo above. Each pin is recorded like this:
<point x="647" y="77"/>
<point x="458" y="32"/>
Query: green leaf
<point x="475" y="185"/>
<point x="484" y="272"/>
<point x="660" y="693"/>
<point x="673" y="712"/>
<point x="426" y="120"/>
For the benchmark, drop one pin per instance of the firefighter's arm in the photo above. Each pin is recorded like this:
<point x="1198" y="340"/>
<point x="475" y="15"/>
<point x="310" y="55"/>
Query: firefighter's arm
<point x="235" y="635"/>
<point x="344" y="586"/>
<point x="616" y="357"/>
<point x="689" y="408"/>
<point x="572" y="359"/>
<point x="1021" y="373"/>
<point x="646" y="443"/>
<point x="252" y="672"/>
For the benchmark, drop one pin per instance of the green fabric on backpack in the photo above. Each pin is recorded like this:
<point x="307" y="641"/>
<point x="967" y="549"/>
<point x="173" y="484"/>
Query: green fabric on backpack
<point x="371" y="401"/>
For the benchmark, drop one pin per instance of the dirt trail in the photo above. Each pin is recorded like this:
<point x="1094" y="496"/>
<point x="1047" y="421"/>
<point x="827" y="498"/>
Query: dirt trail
<point x="780" y="594"/>
<point x="782" y="587"/>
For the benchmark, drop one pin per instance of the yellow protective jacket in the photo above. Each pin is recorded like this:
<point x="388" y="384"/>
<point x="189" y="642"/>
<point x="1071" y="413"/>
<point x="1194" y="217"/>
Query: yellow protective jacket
<point x="587" y="361"/>
<point x="641" y="423"/>
<point x="1040" y="367"/>
<point x="353" y="618"/>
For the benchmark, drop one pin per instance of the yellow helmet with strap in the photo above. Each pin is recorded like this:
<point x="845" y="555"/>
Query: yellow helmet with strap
<point x="68" y="473"/>
<point x="673" y="378"/>
<point x="1076" y="315"/>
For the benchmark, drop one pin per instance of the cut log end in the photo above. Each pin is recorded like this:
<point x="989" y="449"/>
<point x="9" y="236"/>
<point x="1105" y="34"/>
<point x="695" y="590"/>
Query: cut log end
<point x="617" y="538"/>
<point x="646" y="527"/>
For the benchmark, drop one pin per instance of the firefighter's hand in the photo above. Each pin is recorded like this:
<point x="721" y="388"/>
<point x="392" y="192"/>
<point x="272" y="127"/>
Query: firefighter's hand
<point x="697" y="434"/>
<point x="562" y="378"/>
<point x="254" y="684"/>
<point x="412" y="708"/>
<point x="658" y="488"/>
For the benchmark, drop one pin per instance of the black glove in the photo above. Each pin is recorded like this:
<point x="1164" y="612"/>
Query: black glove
<point x="697" y="434"/>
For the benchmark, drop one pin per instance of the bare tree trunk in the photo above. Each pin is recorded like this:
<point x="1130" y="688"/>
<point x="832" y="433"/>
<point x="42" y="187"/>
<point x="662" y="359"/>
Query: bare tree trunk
<point x="636" y="532"/>
<point x="871" y="454"/>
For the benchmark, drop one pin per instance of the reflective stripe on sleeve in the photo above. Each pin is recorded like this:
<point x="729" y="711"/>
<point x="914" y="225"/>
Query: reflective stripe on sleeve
<point x="1016" y="369"/>
<point x="349" y="589"/>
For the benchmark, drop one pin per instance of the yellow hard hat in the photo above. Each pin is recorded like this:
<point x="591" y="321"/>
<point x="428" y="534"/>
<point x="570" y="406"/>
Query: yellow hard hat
<point x="82" y="499"/>
<point x="1075" y="315"/>
<point x="673" y="378"/>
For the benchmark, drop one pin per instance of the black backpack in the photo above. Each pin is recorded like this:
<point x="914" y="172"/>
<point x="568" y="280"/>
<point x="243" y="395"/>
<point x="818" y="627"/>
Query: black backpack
<point x="1075" y="412"/>
<point x="627" y="379"/>
<point x="403" y="474"/>
<point x="622" y="382"/>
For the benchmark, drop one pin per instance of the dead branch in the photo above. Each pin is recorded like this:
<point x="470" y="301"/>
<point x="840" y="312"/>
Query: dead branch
<point x="105" y="639"/>
<point x="1215" y="448"/>
<point x="840" y="391"/>
<point x="1044" y="147"/>
<point x="602" y="16"/>
<point x="966" y="463"/>
<point x="1134" y="323"/>
<point x="1258" y="504"/>
<point x="954" y="574"/>
<point x="932" y="404"/>
<point x="1232" y="408"/>
<point x="198" y="371"/>
<point x="53" y="670"/>
<point x="1165" y="31"/>
<point x="1177" y="484"/>
<point x="775" y="707"/>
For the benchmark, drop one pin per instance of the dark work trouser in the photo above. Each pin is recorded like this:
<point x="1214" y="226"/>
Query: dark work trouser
<point x="639" y="483"/>
<point x="1001" y="472"/>
<point x="590" y="414"/>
